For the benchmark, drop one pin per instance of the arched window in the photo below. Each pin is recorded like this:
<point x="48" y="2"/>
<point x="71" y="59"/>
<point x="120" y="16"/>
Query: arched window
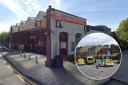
<point x="77" y="38"/>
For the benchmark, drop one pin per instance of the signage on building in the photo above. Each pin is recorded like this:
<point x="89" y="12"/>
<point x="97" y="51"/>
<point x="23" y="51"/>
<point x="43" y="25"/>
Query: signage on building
<point x="67" y="18"/>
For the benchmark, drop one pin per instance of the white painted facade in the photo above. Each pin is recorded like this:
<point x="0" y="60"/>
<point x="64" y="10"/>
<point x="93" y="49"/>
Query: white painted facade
<point x="70" y="28"/>
<point x="70" y="23"/>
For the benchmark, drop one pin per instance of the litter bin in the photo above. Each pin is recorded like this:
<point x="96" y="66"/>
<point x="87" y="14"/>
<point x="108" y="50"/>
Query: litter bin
<point x="58" y="61"/>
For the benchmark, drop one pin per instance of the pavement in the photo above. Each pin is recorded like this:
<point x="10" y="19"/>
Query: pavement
<point x="122" y="72"/>
<point x="98" y="73"/>
<point x="7" y="75"/>
<point x="69" y="75"/>
<point x="121" y="76"/>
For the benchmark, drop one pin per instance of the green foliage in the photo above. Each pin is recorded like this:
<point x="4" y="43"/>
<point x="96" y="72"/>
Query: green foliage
<point x="115" y="47"/>
<point x="122" y="31"/>
<point x="117" y="57"/>
<point x="114" y="35"/>
<point x="4" y="38"/>
<point x="121" y="34"/>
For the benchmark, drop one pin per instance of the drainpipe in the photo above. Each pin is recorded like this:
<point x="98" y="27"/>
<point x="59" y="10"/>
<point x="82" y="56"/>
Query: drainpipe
<point x="48" y="62"/>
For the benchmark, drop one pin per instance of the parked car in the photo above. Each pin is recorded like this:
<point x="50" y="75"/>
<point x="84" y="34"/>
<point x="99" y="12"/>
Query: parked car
<point x="4" y="48"/>
<point x="106" y="63"/>
<point x="90" y="60"/>
<point x="80" y="62"/>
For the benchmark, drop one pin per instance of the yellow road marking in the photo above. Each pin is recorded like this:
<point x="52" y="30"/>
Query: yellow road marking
<point x="9" y="67"/>
<point x="20" y="77"/>
<point x="16" y="74"/>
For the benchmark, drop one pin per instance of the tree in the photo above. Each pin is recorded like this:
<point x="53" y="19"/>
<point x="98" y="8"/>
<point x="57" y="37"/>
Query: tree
<point x="4" y="38"/>
<point x="122" y="31"/>
<point x="114" y="35"/>
<point x="123" y="43"/>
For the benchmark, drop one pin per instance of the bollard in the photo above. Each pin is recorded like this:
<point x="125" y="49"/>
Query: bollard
<point x="24" y="55"/>
<point x="36" y="60"/>
<point x="29" y="56"/>
<point x="20" y="54"/>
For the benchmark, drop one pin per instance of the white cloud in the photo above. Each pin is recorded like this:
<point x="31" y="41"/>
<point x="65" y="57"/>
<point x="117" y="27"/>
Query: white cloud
<point x="106" y="9"/>
<point x="4" y="27"/>
<point x="32" y="5"/>
<point x="15" y="8"/>
<point x="56" y="3"/>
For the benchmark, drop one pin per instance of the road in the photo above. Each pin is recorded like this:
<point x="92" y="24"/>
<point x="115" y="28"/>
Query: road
<point x="100" y="73"/>
<point x="7" y="75"/>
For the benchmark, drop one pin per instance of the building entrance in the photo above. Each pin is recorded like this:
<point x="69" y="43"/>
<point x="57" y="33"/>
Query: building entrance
<point x="63" y="38"/>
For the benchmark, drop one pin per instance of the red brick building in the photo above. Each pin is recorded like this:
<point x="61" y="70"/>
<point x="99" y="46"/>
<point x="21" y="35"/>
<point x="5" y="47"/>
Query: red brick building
<point x="52" y="33"/>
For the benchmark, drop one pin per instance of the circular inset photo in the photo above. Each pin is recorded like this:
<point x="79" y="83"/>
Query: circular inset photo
<point x="98" y="56"/>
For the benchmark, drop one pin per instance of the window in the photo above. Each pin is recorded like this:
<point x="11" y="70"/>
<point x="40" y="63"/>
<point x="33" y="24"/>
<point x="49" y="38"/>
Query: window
<point x="86" y="28"/>
<point x="58" y="23"/>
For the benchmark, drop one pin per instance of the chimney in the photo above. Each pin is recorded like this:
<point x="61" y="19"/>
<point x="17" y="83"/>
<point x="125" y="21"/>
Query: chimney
<point x="50" y="7"/>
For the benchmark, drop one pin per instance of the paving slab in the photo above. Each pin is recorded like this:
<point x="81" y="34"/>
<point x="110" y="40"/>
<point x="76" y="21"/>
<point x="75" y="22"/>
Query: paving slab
<point x="7" y="76"/>
<point x="69" y="75"/>
<point x="122" y="73"/>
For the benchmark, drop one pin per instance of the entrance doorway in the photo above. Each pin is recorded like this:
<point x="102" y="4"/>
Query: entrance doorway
<point x="63" y="39"/>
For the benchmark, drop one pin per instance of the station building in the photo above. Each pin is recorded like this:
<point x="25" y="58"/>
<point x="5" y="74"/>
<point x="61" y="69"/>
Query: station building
<point x="51" y="33"/>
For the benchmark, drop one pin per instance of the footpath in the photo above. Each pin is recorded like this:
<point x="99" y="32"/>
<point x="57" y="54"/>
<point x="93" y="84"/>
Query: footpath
<point x="42" y="75"/>
<point x="33" y="66"/>
<point x="7" y="75"/>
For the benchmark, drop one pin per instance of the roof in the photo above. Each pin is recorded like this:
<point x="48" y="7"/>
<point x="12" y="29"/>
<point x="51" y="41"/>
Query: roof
<point x="40" y="15"/>
<point x="30" y="19"/>
<point x="85" y="48"/>
<point x="68" y="13"/>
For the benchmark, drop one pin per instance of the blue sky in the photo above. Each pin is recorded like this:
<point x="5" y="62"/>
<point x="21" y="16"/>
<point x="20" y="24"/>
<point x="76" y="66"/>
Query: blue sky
<point x="97" y="12"/>
<point x="96" y="39"/>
